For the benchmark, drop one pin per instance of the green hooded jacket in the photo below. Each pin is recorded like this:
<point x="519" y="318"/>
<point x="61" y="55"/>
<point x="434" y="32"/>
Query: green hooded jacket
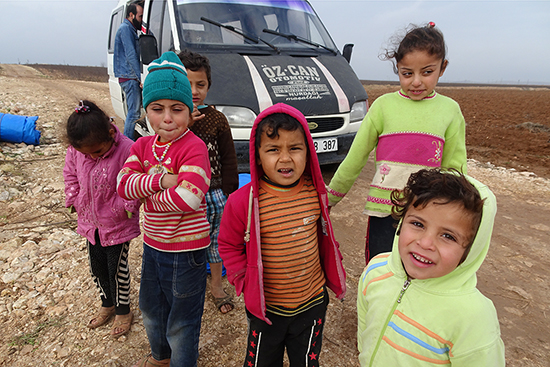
<point x="437" y="321"/>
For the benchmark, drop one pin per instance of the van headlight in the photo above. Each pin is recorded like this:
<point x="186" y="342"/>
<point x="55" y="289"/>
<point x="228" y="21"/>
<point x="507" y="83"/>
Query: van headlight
<point x="358" y="111"/>
<point x="238" y="116"/>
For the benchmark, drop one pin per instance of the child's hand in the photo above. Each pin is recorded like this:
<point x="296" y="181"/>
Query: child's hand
<point x="196" y="116"/>
<point x="169" y="180"/>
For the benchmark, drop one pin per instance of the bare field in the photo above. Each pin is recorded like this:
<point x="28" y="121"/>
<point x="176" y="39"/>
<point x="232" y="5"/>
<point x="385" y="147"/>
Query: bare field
<point x="47" y="295"/>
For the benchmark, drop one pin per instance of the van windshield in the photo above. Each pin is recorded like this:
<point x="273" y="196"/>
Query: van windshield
<point x="250" y="18"/>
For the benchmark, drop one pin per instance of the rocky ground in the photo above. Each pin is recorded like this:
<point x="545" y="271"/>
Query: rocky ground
<point x="47" y="296"/>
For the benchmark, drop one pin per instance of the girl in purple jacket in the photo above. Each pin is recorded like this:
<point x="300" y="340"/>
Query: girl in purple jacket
<point x="96" y="153"/>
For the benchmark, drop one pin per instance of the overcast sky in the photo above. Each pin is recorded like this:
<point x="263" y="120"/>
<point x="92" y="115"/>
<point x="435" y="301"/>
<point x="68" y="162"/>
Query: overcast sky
<point x="488" y="41"/>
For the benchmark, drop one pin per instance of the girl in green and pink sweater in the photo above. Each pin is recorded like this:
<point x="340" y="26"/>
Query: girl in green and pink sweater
<point x="411" y="129"/>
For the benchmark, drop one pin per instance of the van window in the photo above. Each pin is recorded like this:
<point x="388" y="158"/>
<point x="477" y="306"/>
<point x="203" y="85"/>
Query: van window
<point x="315" y="35"/>
<point x="229" y="37"/>
<point x="251" y="17"/>
<point x="159" y="23"/>
<point x="156" y="19"/>
<point x="167" y="43"/>
<point x="116" y="20"/>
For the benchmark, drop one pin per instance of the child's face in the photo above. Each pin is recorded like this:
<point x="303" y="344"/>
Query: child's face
<point x="97" y="150"/>
<point x="419" y="73"/>
<point x="199" y="85"/>
<point x="284" y="158"/>
<point x="433" y="239"/>
<point x="169" y="118"/>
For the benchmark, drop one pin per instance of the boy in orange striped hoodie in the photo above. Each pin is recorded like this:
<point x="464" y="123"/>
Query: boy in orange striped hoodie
<point x="277" y="243"/>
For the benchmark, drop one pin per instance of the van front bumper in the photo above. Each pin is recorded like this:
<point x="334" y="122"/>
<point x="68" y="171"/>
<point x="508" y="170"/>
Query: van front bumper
<point x="344" y="143"/>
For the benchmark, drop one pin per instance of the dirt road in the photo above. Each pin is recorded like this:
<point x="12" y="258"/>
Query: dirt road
<point x="44" y="308"/>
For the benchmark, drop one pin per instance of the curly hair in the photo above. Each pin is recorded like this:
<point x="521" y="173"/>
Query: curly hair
<point x="440" y="187"/>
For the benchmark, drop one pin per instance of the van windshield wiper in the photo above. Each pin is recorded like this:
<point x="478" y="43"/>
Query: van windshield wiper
<point x="299" y="39"/>
<point x="240" y="33"/>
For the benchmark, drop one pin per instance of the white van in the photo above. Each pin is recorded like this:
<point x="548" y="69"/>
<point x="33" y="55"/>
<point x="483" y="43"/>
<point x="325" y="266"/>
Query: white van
<point x="261" y="53"/>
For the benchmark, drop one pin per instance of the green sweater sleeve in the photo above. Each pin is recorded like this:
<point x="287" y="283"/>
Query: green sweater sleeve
<point x="454" y="151"/>
<point x="364" y="142"/>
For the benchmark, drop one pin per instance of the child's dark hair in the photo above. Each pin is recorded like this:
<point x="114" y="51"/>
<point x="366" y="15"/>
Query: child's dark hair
<point x="88" y="125"/>
<point x="195" y="62"/>
<point x="271" y="125"/>
<point x="440" y="187"/>
<point x="426" y="38"/>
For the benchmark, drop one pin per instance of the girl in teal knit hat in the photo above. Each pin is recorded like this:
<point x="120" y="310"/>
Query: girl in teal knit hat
<point x="170" y="173"/>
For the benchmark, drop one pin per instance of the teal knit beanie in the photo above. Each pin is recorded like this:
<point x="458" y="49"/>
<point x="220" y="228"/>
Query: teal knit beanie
<point x="167" y="79"/>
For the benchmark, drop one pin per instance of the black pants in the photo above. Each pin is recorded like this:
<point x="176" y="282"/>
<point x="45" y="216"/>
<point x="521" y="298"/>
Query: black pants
<point x="380" y="234"/>
<point x="302" y="335"/>
<point x="111" y="274"/>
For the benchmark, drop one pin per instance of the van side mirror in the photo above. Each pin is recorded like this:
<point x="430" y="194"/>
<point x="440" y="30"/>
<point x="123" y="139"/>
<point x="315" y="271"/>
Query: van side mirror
<point x="148" y="48"/>
<point x="346" y="52"/>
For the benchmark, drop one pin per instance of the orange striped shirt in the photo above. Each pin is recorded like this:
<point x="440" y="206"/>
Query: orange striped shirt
<point x="290" y="251"/>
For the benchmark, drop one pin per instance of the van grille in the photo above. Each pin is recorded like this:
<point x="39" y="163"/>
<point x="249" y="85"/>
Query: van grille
<point x="320" y="125"/>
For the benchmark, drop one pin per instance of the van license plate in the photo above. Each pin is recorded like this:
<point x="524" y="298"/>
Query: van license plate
<point x="325" y="145"/>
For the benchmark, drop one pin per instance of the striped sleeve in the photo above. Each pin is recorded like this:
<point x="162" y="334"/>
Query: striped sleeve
<point x="187" y="196"/>
<point x="133" y="183"/>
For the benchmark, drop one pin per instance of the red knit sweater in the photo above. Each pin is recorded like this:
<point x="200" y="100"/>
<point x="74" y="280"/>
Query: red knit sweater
<point x="175" y="218"/>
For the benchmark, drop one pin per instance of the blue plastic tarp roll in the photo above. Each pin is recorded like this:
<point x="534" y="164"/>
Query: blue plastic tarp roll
<point x="19" y="129"/>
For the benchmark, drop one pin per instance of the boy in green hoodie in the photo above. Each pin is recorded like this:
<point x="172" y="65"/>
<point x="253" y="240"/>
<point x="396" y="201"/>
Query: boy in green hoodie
<point x="419" y="305"/>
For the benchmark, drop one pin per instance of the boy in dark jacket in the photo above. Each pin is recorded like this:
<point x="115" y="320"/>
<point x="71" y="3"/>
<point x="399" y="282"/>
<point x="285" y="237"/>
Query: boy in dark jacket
<point x="212" y="127"/>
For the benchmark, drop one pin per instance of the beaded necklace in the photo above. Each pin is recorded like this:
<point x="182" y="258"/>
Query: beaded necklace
<point x="167" y="146"/>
